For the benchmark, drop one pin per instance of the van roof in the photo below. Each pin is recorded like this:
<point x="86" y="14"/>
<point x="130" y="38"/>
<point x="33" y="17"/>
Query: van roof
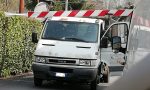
<point x="76" y="19"/>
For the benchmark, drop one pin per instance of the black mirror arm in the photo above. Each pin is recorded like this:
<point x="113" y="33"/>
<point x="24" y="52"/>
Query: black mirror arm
<point x="34" y="38"/>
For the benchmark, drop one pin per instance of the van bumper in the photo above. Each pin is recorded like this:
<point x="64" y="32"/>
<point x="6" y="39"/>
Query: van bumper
<point x="48" y="72"/>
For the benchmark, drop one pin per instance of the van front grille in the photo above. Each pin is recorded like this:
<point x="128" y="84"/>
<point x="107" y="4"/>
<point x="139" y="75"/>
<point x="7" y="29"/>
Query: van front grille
<point x="61" y="61"/>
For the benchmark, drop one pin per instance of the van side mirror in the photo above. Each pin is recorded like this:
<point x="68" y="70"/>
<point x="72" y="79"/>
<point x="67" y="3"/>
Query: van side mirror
<point x="34" y="38"/>
<point x="116" y="43"/>
<point x="104" y="42"/>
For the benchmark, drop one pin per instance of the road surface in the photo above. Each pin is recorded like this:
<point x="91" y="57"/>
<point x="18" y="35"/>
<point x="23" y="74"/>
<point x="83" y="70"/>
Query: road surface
<point x="26" y="83"/>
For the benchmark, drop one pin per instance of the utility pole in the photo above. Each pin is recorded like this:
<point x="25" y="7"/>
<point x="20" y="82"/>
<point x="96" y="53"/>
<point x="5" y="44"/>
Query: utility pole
<point x="37" y="1"/>
<point x="66" y="5"/>
<point x="21" y="6"/>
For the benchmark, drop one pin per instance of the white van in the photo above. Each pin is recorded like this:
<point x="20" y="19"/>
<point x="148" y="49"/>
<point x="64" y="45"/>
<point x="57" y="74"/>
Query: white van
<point x="69" y="50"/>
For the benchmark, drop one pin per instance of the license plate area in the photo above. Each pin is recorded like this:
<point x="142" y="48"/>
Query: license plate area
<point x="60" y="74"/>
<point x="61" y="70"/>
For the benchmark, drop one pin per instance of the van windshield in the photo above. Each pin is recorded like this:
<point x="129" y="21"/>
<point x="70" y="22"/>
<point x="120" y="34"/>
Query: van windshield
<point x="71" y="31"/>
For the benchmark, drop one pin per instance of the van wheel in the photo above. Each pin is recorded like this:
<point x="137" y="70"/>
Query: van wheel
<point x="38" y="82"/>
<point x="93" y="84"/>
<point x="106" y="74"/>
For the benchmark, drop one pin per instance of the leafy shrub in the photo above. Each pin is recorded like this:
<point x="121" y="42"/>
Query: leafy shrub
<point x="16" y="48"/>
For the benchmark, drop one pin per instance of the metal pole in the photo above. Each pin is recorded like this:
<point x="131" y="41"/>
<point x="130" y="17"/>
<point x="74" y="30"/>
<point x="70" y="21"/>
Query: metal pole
<point x="66" y="5"/>
<point x="21" y="6"/>
<point x="108" y="4"/>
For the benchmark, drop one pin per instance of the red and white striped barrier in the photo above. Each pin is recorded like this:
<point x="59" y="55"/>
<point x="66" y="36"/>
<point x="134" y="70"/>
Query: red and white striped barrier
<point x="80" y="13"/>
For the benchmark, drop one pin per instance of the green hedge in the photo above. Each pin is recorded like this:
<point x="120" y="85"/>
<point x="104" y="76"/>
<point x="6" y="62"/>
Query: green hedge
<point x="16" y="48"/>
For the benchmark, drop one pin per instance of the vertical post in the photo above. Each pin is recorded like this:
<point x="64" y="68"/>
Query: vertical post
<point x="21" y="6"/>
<point x="66" y="5"/>
<point x="108" y="4"/>
<point x="37" y="1"/>
<point x="6" y="1"/>
<point x="105" y="4"/>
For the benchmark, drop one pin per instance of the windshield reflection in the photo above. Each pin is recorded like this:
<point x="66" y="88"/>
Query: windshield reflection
<point x="71" y="31"/>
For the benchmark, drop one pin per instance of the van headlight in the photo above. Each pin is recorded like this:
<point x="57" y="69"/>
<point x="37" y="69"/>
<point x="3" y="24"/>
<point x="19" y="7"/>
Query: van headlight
<point x="87" y="62"/>
<point x="40" y="59"/>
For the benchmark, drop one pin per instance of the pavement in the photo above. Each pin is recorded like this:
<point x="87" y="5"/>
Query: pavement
<point x="26" y="83"/>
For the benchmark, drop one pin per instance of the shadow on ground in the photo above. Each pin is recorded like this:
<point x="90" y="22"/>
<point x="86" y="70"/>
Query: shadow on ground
<point x="26" y="83"/>
<point x="66" y="86"/>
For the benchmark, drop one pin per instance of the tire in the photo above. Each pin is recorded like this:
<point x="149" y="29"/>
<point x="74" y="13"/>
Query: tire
<point x="93" y="85"/>
<point x="106" y="78"/>
<point x="38" y="82"/>
<point x="106" y="75"/>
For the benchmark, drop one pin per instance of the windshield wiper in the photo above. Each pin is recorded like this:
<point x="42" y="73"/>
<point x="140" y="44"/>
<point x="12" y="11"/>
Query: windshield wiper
<point x="75" y="39"/>
<point x="52" y="38"/>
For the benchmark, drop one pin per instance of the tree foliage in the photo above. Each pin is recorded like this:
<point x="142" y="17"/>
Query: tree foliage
<point x="30" y="4"/>
<point x="60" y="5"/>
<point x="76" y="4"/>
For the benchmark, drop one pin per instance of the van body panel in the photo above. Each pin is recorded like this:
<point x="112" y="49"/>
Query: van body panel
<point x="53" y="48"/>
